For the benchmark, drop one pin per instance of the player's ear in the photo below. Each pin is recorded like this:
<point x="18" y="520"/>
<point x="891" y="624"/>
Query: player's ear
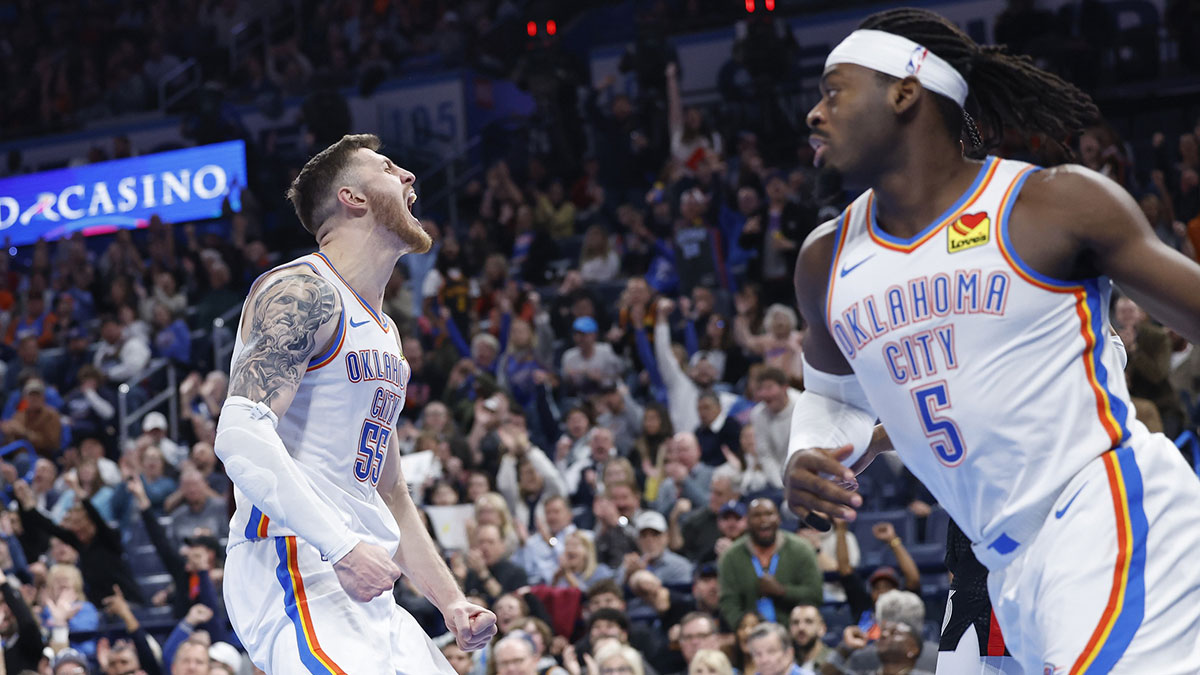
<point x="903" y="94"/>
<point x="352" y="198"/>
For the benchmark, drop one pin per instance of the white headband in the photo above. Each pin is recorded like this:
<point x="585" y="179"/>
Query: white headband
<point x="900" y="57"/>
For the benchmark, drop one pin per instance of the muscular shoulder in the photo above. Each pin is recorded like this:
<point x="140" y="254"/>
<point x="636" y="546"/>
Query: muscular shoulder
<point x="290" y="316"/>
<point x="1074" y="196"/>
<point x="812" y="264"/>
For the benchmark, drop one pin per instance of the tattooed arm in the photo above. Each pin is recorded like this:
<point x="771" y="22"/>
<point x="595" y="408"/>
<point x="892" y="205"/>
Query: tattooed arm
<point x="291" y="318"/>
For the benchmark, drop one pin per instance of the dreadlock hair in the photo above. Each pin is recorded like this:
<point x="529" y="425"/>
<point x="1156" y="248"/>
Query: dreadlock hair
<point x="1006" y="90"/>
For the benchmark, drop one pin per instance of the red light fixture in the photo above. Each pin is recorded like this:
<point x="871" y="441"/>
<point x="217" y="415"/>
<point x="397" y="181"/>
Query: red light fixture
<point x="750" y="6"/>
<point x="551" y="27"/>
<point x="531" y="28"/>
<point x="769" y="5"/>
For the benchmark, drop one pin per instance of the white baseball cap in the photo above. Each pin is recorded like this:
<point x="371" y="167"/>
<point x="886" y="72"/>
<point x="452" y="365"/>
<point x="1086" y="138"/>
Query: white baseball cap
<point x="225" y="653"/>
<point x="154" y="420"/>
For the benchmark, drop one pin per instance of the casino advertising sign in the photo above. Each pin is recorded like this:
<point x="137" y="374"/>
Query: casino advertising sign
<point x="178" y="186"/>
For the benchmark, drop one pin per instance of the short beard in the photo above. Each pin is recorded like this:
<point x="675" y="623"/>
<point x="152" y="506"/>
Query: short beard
<point x="804" y="647"/>
<point x="391" y="212"/>
<point x="828" y="186"/>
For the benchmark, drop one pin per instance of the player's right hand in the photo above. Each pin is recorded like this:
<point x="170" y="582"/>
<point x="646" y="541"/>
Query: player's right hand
<point x="366" y="572"/>
<point x="814" y="479"/>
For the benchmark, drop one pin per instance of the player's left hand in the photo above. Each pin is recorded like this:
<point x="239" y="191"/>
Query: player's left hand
<point x="472" y="625"/>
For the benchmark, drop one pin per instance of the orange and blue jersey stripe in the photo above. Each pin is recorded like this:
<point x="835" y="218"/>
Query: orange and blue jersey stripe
<point x="1126" y="601"/>
<point x="839" y="242"/>
<point x="256" y="527"/>
<point x="982" y="180"/>
<point x="1090" y="300"/>
<point x="295" y="605"/>
<point x="329" y="354"/>
<point x="379" y="318"/>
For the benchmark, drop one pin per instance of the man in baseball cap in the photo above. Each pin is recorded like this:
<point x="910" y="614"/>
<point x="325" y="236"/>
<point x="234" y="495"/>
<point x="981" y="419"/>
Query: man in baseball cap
<point x="669" y="567"/>
<point x="69" y="662"/>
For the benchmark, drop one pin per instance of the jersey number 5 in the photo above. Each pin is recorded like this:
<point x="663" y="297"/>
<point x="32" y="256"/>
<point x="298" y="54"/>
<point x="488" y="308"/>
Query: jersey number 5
<point x="372" y="444"/>
<point x="946" y="440"/>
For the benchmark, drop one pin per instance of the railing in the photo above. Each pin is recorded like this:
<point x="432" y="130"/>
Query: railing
<point x="259" y="31"/>
<point x="125" y="416"/>
<point x="192" y="78"/>
<point x="223" y="337"/>
<point x="446" y="177"/>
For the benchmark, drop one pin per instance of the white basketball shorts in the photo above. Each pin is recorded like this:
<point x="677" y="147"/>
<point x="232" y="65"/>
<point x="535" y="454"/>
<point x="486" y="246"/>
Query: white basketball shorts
<point x="1111" y="583"/>
<point x="293" y="617"/>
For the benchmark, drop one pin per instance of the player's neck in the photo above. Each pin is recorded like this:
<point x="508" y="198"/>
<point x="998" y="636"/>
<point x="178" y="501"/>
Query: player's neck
<point x="364" y="257"/>
<point x="918" y="188"/>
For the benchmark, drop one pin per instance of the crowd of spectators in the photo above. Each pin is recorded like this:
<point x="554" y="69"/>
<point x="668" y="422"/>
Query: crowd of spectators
<point x="604" y="362"/>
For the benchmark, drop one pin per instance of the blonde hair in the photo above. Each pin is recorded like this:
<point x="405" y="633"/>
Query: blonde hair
<point x="622" y="464"/>
<point x="496" y="502"/>
<point x="628" y="654"/>
<point x="589" y="553"/>
<point x="69" y="575"/>
<point x="712" y="658"/>
<point x="780" y="310"/>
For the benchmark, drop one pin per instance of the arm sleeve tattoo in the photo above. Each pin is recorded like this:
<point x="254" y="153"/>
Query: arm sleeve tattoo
<point x="287" y="316"/>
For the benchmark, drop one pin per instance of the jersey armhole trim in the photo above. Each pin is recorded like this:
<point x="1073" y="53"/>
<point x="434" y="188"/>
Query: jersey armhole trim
<point x="1018" y="265"/>
<point x="839" y="243"/>
<point x="334" y="348"/>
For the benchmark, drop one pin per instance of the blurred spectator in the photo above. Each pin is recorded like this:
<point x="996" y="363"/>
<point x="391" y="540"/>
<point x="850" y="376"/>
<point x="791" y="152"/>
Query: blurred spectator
<point x="683" y="389"/>
<point x="27" y="363"/>
<point x="598" y="261"/>
<point x="620" y="414"/>
<point x="717" y="432"/>
<point x="772" y="421"/>
<point x="807" y="628"/>
<point x="120" y="357"/>
<point x="1149" y="368"/>
<point x="199" y="510"/>
<point x="459" y="660"/>
<point x="670" y="568"/>
<point x="590" y="363"/>
<point x="695" y="531"/>
<point x="527" y="477"/>
<point x="553" y="212"/>
<point x="154" y="434"/>
<point x="780" y="346"/>
<point x="92" y="409"/>
<point x="38" y="424"/>
<point x="771" y="648"/>
<point x="489" y="569"/>
<point x="578" y="566"/>
<point x="172" y="340"/>
<point x="20" y="631"/>
<point x="543" y="553"/>
<point x="101" y="555"/>
<point x="36" y="322"/>
<point x="710" y="662"/>
<point x="616" y="658"/>
<point x="514" y="655"/>
<point x="64" y="607"/>
<point x="686" y="477"/>
<point x="697" y="631"/>
<point x="860" y="654"/>
<point x="606" y="602"/>
<point x="769" y="571"/>
<point x="204" y="460"/>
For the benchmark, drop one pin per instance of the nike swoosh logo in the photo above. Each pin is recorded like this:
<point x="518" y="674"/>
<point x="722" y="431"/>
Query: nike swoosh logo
<point x="360" y="323"/>
<point x="1059" y="513"/>
<point x="847" y="270"/>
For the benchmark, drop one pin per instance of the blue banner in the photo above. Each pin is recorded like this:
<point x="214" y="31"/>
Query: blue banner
<point x="178" y="186"/>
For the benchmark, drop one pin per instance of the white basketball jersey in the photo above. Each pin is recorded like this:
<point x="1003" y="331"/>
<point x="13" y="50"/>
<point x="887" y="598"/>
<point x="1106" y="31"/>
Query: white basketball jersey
<point x="339" y="424"/>
<point x="994" y="382"/>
